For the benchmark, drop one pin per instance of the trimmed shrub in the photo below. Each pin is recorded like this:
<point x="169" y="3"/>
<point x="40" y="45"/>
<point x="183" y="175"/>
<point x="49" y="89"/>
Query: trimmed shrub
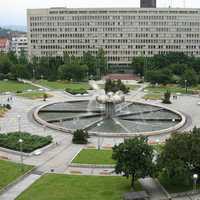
<point x="167" y="96"/>
<point x="30" y="142"/>
<point x="80" y="137"/>
<point x="76" y="91"/>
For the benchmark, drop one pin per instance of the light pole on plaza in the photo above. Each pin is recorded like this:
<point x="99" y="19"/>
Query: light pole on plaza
<point x="195" y="177"/>
<point x="21" y="153"/>
<point x="186" y="86"/>
<point x="19" y="123"/>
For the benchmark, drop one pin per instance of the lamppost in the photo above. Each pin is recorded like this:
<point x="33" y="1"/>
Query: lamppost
<point x="186" y="86"/>
<point x="195" y="177"/>
<point x="19" y="123"/>
<point x="33" y="74"/>
<point x="21" y="153"/>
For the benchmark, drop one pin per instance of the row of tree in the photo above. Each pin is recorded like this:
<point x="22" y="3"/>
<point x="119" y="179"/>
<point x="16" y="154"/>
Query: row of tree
<point x="173" y="67"/>
<point x="175" y="164"/>
<point x="53" y="68"/>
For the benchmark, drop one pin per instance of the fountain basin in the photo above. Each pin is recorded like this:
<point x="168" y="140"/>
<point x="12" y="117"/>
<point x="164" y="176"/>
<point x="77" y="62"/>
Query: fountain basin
<point x="134" y="118"/>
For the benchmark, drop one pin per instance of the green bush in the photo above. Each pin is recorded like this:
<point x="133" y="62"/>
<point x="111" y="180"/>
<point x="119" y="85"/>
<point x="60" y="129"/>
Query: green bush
<point x="80" y="137"/>
<point x="30" y="142"/>
<point x="167" y="96"/>
<point x="76" y="91"/>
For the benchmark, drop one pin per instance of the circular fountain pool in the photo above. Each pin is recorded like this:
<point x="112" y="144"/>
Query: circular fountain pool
<point x="129" y="118"/>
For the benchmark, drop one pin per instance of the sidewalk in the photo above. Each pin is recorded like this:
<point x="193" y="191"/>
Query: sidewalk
<point x="153" y="189"/>
<point x="16" y="190"/>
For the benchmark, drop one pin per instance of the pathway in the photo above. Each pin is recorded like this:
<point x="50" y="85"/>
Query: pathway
<point x="153" y="189"/>
<point x="13" y="192"/>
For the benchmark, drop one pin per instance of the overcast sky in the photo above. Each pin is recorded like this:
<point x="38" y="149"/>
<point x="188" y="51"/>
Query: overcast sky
<point x="13" y="12"/>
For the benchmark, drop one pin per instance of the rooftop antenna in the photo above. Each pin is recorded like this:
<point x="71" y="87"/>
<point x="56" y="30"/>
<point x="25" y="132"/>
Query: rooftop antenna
<point x="170" y="3"/>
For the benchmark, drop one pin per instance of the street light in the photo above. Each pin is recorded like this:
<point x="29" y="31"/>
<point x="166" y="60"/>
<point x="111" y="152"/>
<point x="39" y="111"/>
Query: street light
<point x="21" y="153"/>
<point x="186" y="86"/>
<point x="19" y="123"/>
<point x="195" y="177"/>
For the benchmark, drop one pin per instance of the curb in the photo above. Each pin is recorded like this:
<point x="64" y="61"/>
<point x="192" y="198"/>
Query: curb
<point x="42" y="149"/>
<point x="90" y="165"/>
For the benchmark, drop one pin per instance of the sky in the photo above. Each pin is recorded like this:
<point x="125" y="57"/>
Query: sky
<point x="13" y="12"/>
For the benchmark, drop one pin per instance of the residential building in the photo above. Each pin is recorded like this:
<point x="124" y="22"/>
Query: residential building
<point x="19" y="44"/>
<point x="4" y="45"/>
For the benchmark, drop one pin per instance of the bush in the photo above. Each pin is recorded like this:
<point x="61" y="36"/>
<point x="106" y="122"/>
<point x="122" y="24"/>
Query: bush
<point x="18" y="91"/>
<point x="30" y="142"/>
<point x="114" y="86"/>
<point x="8" y="106"/>
<point x="167" y="96"/>
<point x="80" y="137"/>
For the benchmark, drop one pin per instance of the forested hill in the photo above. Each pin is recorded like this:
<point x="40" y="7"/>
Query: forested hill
<point x="4" y="32"/>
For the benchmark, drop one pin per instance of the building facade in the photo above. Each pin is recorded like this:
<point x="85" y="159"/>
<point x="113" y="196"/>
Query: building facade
<point x="123" y="33"/>
<point x="4" y="45"/>
<point x="147" y="3"/>
<point x="19" y="44"/>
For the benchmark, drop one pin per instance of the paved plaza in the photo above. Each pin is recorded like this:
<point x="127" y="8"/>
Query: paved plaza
<point x="60" y="155"/>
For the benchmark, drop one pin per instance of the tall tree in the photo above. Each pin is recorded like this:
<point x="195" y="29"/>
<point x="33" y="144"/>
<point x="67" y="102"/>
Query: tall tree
<point x="134" y="158"/>
<point x="101" y="61"/>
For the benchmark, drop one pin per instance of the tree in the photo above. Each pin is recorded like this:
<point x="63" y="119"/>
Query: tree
<point x="101" y="61"/>
<point x="74" y="70"/>
<point x="191" y="77"/>
<point x="89" y="60"/>
<point x="180" y="158"/>
<point x="134" y="158"/>
<point x="138" y="64"/>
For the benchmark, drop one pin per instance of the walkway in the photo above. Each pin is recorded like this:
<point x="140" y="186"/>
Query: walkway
<point x="16" y="190"/>
<point x="153" y="189"/>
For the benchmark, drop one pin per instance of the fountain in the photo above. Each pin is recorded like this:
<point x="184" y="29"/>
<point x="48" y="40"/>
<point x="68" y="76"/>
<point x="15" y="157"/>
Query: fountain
<point x="110" y="115"/>
<point x="110" y="100"/>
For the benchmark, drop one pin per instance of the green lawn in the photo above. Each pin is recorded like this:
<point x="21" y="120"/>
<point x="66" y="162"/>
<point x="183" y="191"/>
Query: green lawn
<point x="94" y="156"/>
<point x="62" y="85"/>
<point x="33" y="95"/>
<point x="14" y="86"/>
<point x="157" y="92"/>
<point x="68" y="187"/>
<point x="10" y="171"/>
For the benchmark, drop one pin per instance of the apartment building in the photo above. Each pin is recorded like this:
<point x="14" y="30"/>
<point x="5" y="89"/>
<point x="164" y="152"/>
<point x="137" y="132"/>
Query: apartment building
<point x="18" y="44"/>
<point x="4" y="45"/>
<point x="123" y="33"/>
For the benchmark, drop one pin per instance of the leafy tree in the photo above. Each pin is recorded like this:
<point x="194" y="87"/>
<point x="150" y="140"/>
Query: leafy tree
<point x="191" y="77"/>
<point x="101" y="61"/>
<point x="134" y="158"/>
<point x="114" y="86"/>
<point x="180" y="158"/>
<point x="138" y="64"/>
<point x="74" y="70"/>
<point x="162" y="76"/>
<point x="5" y="64"/>
<point x="20" y="71"/>
<point x="89" y="60"/>
<point x="22" y="57"/>
<point x="178" y="68"/>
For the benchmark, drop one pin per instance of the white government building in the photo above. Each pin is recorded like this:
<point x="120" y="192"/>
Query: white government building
<point x="123" y="33"/>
